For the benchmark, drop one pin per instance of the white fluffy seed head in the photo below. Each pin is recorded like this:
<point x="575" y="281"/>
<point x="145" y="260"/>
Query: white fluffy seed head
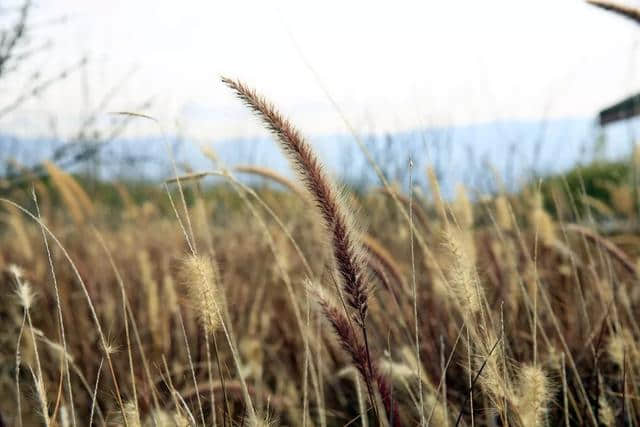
<point x="397" y="371"/>
<point x="16" y="271"/>
<point x="25" y="294"/>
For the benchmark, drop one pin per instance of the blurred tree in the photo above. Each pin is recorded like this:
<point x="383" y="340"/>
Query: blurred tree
<point x="23" y="41"/>
<point x="20" y="43"/>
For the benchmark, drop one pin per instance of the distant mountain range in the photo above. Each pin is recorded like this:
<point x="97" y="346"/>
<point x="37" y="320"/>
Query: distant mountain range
<point x="474" y="155"/>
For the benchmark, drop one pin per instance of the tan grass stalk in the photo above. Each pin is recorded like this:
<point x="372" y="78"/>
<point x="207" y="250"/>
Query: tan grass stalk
<point x="19" y="358"/>
<point x="565" y="399"/>
<point x="503" y="213"/>
<point x="128" y="417"/>
<point x="234" y="388"/>
<point x="414" y="289"/>
<point x="191" y="366"/>
<point x="56" y="289"/>
<point x="541" y="222"/>
<point x="597" y="204"/>
<point x="273" y="176"/>
<point x="607" y="245"/>
<point x="76" y="370"/>
<point x="130" y="207"/>
<point x="103" y="341"/>
<point x="172" y="390"/>
<point x="437" y="195"/>
<point x="170" y="299"/>
<point x="72" y="194"/>
<point x="94" y="396"/>
<point x="26" y="297"/>
<point x="384" y="257"/>
<point x="418" y="210"/>
<point x="630" y="12"/>
<point x="79" y="193"/>
<point x="22" y="236"/>
<point x="368" y="241"/>
<point x="463" y="209"/>
<point x="241" y="190"/>
<point x="152" y="297"/>
<point x="128" y="314"/>
<point x="199" y="275"/>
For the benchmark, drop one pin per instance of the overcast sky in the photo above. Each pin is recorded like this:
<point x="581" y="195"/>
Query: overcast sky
<point x="389" y="65"/>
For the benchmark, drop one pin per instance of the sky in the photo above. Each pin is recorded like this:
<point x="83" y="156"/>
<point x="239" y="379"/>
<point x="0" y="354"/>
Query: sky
<point x="388" y="66"/>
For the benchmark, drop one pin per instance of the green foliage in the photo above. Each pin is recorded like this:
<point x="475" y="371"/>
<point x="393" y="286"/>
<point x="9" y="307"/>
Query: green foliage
<point x="594" y="180"/>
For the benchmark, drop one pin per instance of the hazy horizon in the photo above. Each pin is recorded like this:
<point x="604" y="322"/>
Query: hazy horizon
<point x="388" y="69"/>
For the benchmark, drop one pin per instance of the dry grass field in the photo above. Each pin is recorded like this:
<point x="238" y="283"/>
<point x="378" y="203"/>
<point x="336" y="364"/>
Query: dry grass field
<point x="210" y="299"/>
<point x="302" y="304"/>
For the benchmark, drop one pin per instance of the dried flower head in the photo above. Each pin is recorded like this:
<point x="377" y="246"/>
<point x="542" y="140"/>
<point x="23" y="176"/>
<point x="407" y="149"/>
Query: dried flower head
<point x="199" y="276"/>
<point x="534" y="395"/>
<point x="463" y="279"/>
<point x="25" y="294"/>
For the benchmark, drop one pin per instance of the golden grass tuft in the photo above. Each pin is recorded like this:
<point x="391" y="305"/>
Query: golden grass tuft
<point x="74" y="197"/>
<point x="463" y="283"/>
<point x="534" y="396"/>
<point x="198" y="275"/>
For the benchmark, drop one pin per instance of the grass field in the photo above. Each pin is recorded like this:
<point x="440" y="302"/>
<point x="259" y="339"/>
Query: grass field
<point x="300" y="303"/>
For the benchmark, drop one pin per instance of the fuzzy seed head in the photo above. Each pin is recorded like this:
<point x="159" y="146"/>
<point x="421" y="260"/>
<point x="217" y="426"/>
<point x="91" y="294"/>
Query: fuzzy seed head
<point x="25" y="294"/>
<point x="129" y="416"/>
<point x="200" y="279"/>
<point x="619" y="346"/>
<point x="463" y="278"/>
<point x="260" y="421"/>
<point x="397" y="371"/>
<point x="15" y="271"/>
<point x="534" y="396"/>
<point x="543" y="225"/>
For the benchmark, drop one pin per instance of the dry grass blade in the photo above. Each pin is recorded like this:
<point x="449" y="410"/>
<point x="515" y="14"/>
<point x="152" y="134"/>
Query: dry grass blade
<point x="632" y="13"/>
<point x="274" y="176"/>
<point x="607" y="245"/>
